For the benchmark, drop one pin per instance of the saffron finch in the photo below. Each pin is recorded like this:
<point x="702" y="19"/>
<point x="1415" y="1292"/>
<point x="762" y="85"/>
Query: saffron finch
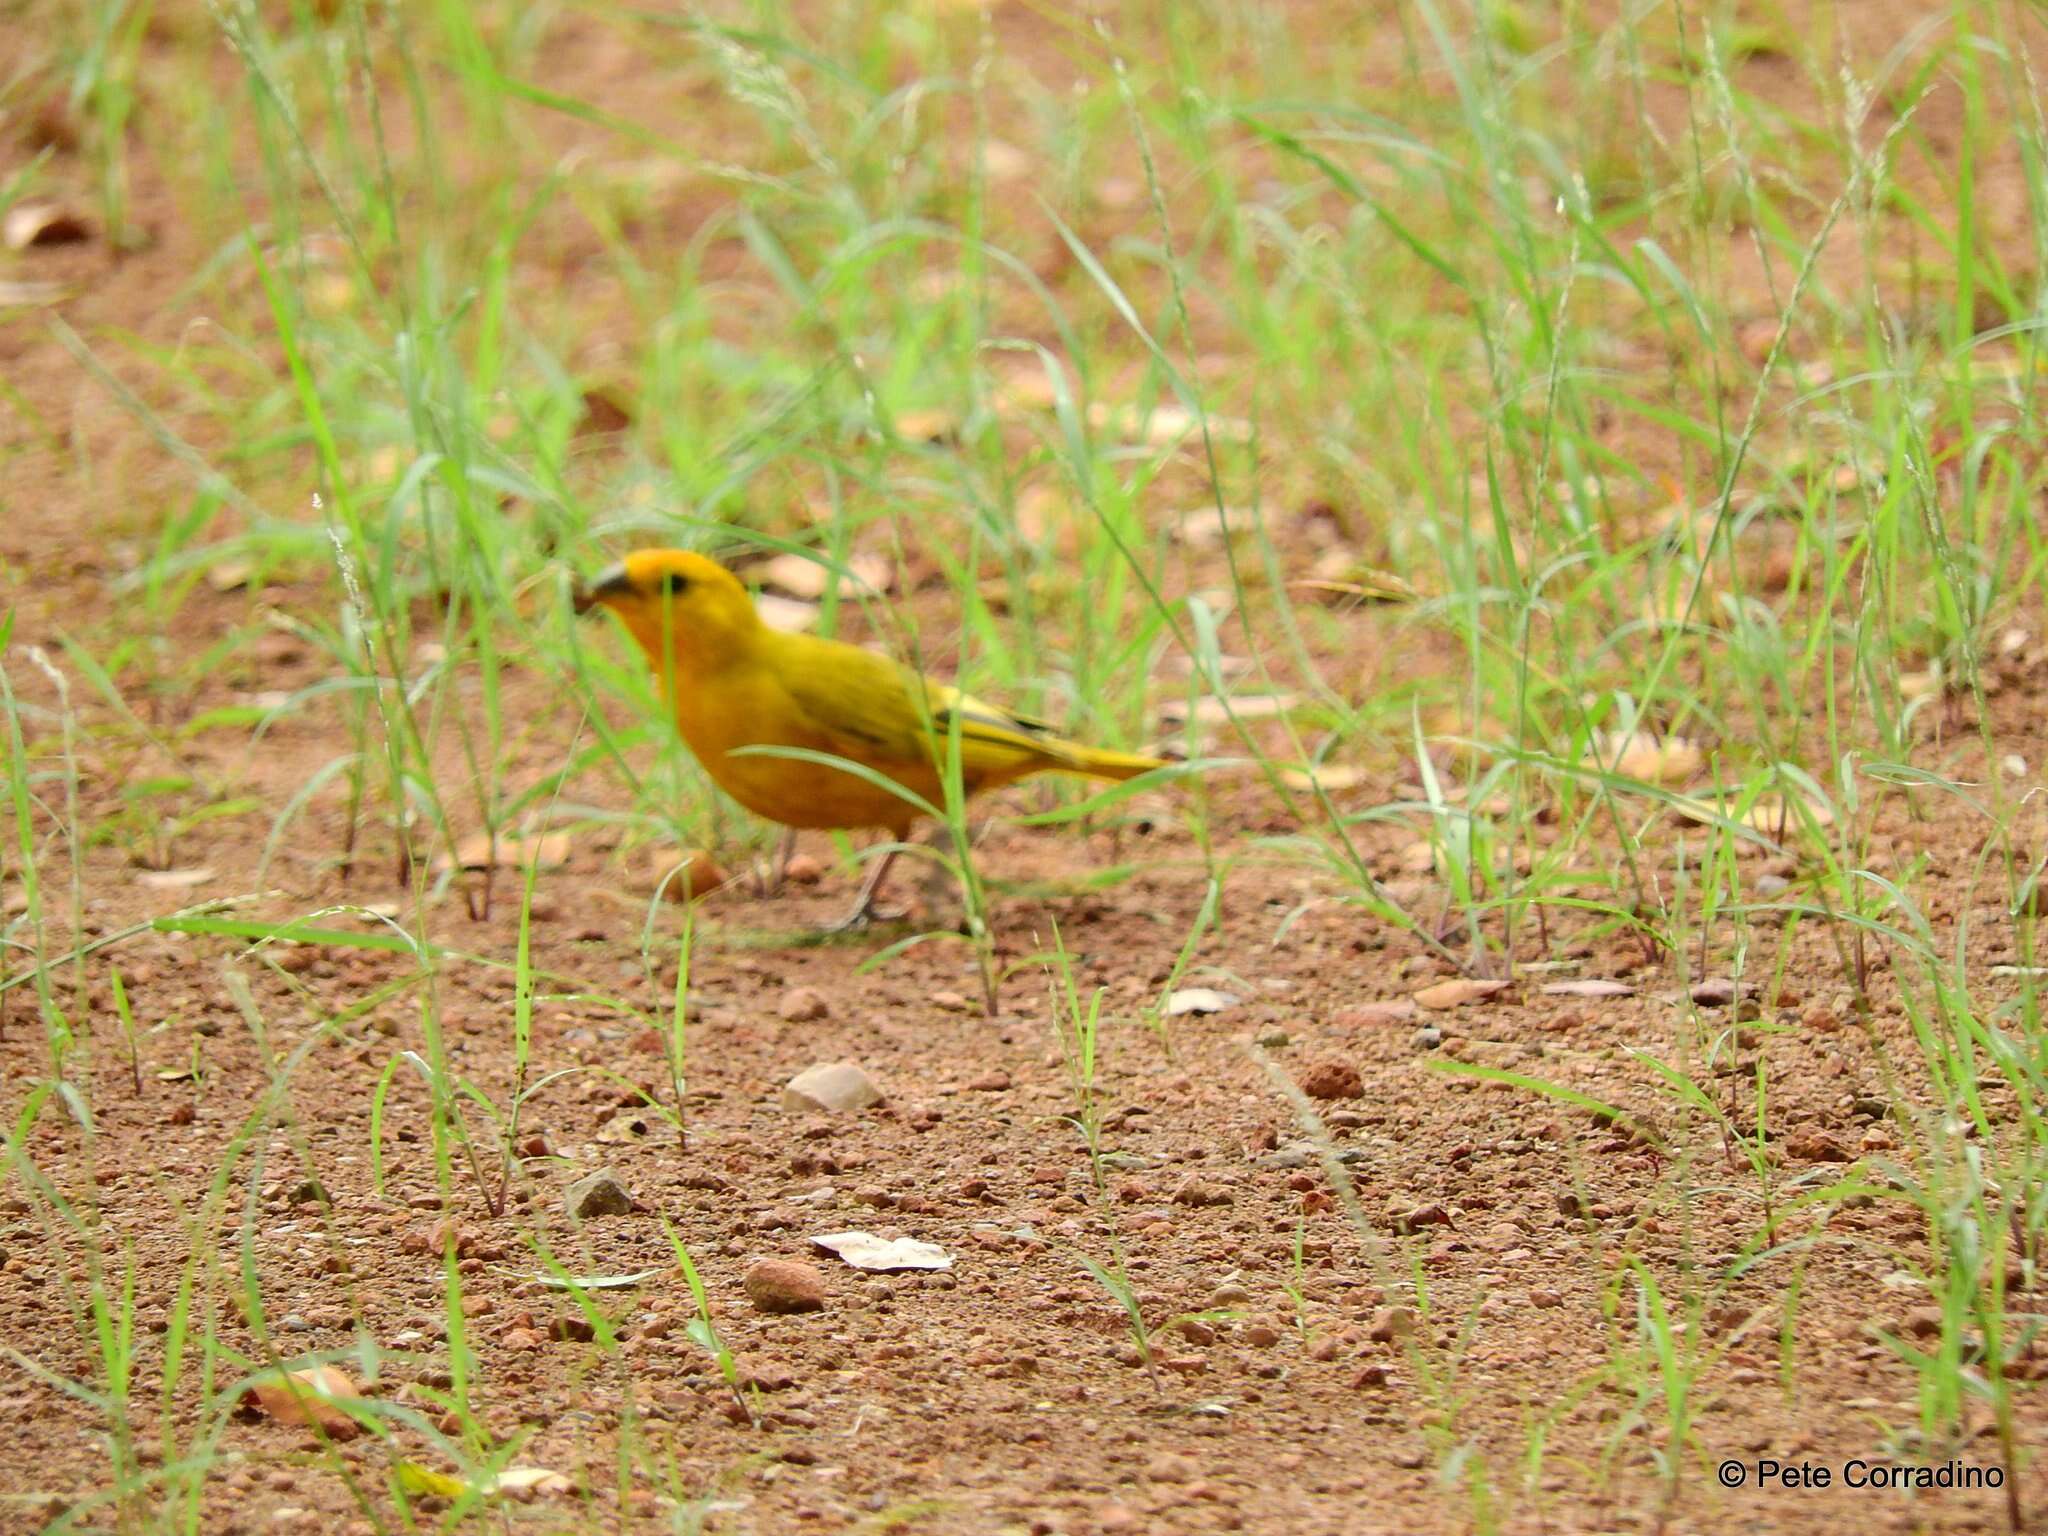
<point x="736" y="683"/>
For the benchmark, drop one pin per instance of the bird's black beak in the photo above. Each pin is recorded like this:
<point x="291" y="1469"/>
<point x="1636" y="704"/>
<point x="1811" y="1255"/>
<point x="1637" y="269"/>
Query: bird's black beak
<point x="608" y="583"/>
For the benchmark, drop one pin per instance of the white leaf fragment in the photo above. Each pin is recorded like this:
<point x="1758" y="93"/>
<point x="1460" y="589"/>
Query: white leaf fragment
<point x="864" y="1250"/>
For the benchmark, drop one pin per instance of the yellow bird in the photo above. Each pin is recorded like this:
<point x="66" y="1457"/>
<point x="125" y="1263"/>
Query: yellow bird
<point x="736" y="683"/>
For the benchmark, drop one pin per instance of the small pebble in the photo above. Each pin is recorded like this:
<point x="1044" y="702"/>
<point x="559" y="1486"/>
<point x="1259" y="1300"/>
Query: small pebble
<point x="784" y="1285"/>
<point x="830" y="1088"/>
<point x="804" y="1005"/>
<point x="1332" y="1080"/>
<point x="597" y="1194"/>
<point x="1389" y="1324"/>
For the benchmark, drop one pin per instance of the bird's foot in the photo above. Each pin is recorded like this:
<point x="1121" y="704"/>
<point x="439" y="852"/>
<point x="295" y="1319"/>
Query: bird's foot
<point x="866" y="914"/>
<point x="770" y="881"/>
<point x="867" y="906"/>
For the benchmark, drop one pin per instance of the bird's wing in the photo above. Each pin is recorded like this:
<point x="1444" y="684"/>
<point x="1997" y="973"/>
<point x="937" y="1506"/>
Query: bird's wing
<point x="867" y="701"/>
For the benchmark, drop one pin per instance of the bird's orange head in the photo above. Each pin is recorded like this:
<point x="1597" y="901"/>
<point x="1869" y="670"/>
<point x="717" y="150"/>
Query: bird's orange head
<point x="678" y="604"/>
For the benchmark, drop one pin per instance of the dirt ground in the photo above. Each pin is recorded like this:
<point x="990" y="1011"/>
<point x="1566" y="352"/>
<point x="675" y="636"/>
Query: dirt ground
<point x="1313" y="1360"/>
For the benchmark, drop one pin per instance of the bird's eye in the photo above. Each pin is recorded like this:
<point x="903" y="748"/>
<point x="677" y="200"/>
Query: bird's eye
<point x="675" y="583"/>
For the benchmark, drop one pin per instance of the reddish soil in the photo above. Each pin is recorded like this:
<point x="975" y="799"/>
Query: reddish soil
<point x="1285" y="1393"/>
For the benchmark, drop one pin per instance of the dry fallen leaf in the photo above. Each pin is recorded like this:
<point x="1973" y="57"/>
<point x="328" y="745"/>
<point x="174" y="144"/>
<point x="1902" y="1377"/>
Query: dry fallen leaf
<point x="864" y="1250"/>
<point x="1327" y="777"/>
<point x="1772" y="815"/>
<point x="1005" y="161"/>
<point x="14" y="293"/>
<point x="623" y="1130"/>
<point x="1390" y="1011"/>
<point x="42" y="222"/>
<point x="1197" y="1000"/>
<point x="1418" y="858"/>
<point x="1224" y="665"/>
<point x="1339" y="575"/>
<point x="1044" y="512"/>
<point x="1211" y="710"/>
<point x="1207" y="526"/>
<point x="173" y="879"/>
<point x="227" y="575"/>
<point x="872" y="572"/>
<point x="1922" y="684"/>
<point x="482" y="851"/>
<point x="1720" y="991"/>
<point x="332" y="293"/>
<point x="797" y="576"/>
<point x="1588" y="987"/>
<point x="310" y="1397"/>
<point x="1164" y="425"/>
<point x="801" y="577"/>
<point x="1458" y="991"/>
<point x="524" y="1481"/>
<point x="1026" y="389"/>
<point x="1639" y="755"/>
<point x="1118" y="191"/>
<point x="786" y="613"/>
<point x="604" y="412"/>
<point x="937" y="425"/>
<point x="515" y="1482"/>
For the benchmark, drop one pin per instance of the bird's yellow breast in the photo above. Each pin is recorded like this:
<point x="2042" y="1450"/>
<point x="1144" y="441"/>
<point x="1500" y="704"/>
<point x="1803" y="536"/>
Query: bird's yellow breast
<point x="748" y="706"/>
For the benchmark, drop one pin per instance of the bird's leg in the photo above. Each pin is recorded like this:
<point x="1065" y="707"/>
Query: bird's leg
<point x="785" y="850"/>
<point x="865" y="910"/>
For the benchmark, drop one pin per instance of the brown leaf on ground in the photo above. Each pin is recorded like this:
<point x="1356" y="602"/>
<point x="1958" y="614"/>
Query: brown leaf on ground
<point x="1639" y="755"/>
<point x="310" y="1397"/>
<point x="1026" y="389"/>
<point x="42" y="222"/>
<point x="786" y="614"/>
<point x="173" y="879"/>
<point x="229" y="575"/>
<point x="16" y="294"/>
<point x="1164" y="425"/>
<point x="1206" y="527"/>
<point x="1591" y="986"/>
<point x="864" y="1250"/>
<point x="604" y="413"/>
<point x="1720" y="991"/>
<point x="1395" y="1010"/>
<point x="1211" y="710"/>
<point x="936" y="425"/>
<point x="1338" y="576"/>
<point x="808" y="580"/>
<point x="1329" y="778"/>
<point x="1459" y="991"/>
<point x="1197" y="1000"/>
<point x="1772" y="815"/>
<point x="525" y="1482"/>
